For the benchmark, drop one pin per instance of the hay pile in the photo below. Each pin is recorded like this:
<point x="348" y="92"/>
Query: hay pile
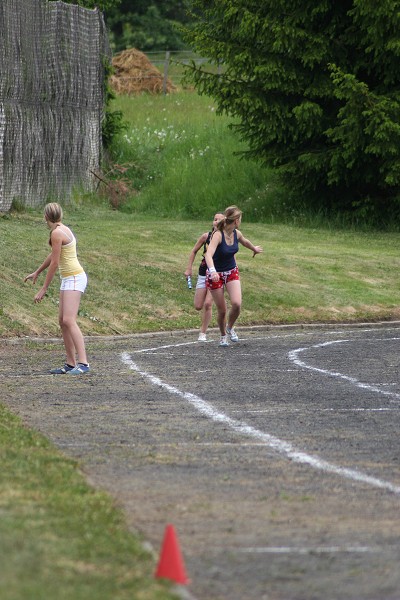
<point x="134" y="74"/>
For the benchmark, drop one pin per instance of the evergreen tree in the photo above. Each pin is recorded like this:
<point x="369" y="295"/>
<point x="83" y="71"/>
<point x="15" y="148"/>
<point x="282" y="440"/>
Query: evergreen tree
<point x="315" y="85"/>
<point x="147" y="26"/>
<point x="100" y="4"/>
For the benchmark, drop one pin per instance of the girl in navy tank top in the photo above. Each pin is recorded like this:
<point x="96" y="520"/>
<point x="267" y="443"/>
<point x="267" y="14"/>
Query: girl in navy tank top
<point x="223" y="273"/>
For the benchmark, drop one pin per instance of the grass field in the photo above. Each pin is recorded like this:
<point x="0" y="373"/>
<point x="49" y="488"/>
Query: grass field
<point x="136" y="283"/>
<point x="184" y="161"/>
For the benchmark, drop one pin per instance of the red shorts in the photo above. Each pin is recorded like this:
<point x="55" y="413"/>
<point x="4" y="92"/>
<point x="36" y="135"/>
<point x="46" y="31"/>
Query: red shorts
<point x="224" y="278"/>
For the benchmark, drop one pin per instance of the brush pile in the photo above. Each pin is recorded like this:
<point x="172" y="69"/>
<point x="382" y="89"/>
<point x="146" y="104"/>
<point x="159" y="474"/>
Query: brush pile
<point x="135" y="74"/>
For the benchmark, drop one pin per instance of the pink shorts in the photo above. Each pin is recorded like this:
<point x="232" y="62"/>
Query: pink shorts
<point x="224" y="278"/>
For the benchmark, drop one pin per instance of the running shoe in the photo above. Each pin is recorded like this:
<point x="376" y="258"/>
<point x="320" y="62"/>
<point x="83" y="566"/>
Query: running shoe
<point x="232" y="334"/>
<point x="202" y="337"/>
<point x="79" y="369"/>
<point x="61" y="370"/>
<point x="224" y="340"/>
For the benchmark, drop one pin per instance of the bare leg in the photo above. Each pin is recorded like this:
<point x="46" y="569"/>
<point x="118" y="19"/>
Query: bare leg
<point x="72" y="335"/>
<point x="234" y="290"/>
<point x="219" y="299"/>
<point x="68" y="343"/>
<point x="207" y="312"/>
<point x="199" y="298"/>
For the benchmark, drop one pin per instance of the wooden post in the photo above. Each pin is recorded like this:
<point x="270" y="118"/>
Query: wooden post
<point x="166" y="64"/>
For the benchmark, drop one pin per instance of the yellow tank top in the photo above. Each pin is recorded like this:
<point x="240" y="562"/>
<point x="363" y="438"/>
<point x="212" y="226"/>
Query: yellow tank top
<point x="69" y="264"/>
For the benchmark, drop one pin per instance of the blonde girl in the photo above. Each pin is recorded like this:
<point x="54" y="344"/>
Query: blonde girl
<point x="223" y="273"/>
<point x="63" y="257"/>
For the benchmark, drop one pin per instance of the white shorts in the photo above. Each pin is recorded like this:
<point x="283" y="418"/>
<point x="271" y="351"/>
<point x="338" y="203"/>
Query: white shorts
<point x="75" y="283"/>
<point x="201" y="282"/>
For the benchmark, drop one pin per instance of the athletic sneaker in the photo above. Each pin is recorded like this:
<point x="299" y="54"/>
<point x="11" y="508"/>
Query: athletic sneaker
<point x="79" y="369"/>
<point x="202" y="337"/>
<point x="61" y="370"/>
<point x="232" y="334"/>
<point x="224" y="340"/>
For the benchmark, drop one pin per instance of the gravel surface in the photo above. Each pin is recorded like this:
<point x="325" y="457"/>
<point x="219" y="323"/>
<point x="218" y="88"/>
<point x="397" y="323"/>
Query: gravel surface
<point x="276" y="459"/>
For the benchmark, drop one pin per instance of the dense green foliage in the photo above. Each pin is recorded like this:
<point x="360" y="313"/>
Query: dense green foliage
<point x="315" y="86"/>
<point x="113" y="122"/>
<point x="148" y="26"/>
<point x="100" y="4"/>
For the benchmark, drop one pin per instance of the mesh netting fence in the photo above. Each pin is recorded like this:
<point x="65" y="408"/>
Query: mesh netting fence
<point x="51" y="99"/>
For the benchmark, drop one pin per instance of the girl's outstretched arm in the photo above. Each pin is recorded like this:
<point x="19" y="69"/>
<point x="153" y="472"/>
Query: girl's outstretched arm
<point x="247" y="244"/>
<point x="42" y="267"/>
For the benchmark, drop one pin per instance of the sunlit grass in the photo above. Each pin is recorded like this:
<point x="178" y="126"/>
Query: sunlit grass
<point x="136" y="267"/>
<point x="184" y="160"/>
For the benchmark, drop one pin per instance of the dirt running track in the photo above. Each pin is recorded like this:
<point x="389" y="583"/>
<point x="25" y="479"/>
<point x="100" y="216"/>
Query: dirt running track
<point x="277" y="459"/>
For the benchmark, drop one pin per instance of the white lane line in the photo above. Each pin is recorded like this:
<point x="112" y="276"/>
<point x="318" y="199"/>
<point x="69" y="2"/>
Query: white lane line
<point x="313" y="410"/>
<point x="304" y="550"/>
<point x="293" y="356"/>
<point x="280" y="446"/>
<point x="156" y="348"/>
<point x="278" y="336"/>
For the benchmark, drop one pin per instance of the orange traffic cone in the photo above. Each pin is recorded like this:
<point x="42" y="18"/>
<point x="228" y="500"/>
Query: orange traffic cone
<point x="170" y="566"/>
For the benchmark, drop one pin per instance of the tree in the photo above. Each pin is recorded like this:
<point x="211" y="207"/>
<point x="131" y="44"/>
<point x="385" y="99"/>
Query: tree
<point x="148" y="26"/>
<point x="315" y="87"/>
<point x="100" y="4"/>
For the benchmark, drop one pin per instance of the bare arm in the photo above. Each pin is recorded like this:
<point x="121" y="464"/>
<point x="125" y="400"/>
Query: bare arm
<point x="42" y="267"/>
<point x="50" y="263"/>
<point x="202" y="239"/>
<point x="247" y="244"/>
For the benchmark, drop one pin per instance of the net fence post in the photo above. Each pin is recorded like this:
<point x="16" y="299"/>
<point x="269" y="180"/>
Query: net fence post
<point x="166" y="65"/>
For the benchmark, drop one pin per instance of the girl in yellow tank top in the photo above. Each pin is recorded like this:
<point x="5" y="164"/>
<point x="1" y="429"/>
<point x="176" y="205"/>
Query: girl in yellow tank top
<point x="69" y="264"/>
<point x="63" y="257"/>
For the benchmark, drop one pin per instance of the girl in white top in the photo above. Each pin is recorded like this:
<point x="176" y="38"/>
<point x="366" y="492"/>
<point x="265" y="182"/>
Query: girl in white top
<point x="73" y="284"/>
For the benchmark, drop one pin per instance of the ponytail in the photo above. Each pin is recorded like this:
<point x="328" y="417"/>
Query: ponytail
<point x="231" y="214"/>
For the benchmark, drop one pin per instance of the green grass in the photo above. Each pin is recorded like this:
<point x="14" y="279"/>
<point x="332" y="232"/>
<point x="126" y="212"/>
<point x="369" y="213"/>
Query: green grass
<point x="184" y="160"/>
<point x="60" y="538"/>
<point x="136" y="263"/>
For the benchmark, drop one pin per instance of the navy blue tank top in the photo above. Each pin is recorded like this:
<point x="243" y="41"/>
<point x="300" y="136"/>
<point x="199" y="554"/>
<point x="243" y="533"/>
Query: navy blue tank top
<point x="224" y="256"/>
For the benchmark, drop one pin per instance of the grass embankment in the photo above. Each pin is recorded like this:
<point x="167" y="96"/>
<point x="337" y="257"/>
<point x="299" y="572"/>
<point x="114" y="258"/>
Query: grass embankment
<point x="136" y="283"/>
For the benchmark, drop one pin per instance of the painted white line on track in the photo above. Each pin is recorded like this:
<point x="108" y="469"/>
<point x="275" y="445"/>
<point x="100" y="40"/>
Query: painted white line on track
<point x="303" y="550"/>
<point x="280" y="446"/>
<point x="313" y="410"/>
<point x="293" y="355"/>
<point x="155" y="349"/>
